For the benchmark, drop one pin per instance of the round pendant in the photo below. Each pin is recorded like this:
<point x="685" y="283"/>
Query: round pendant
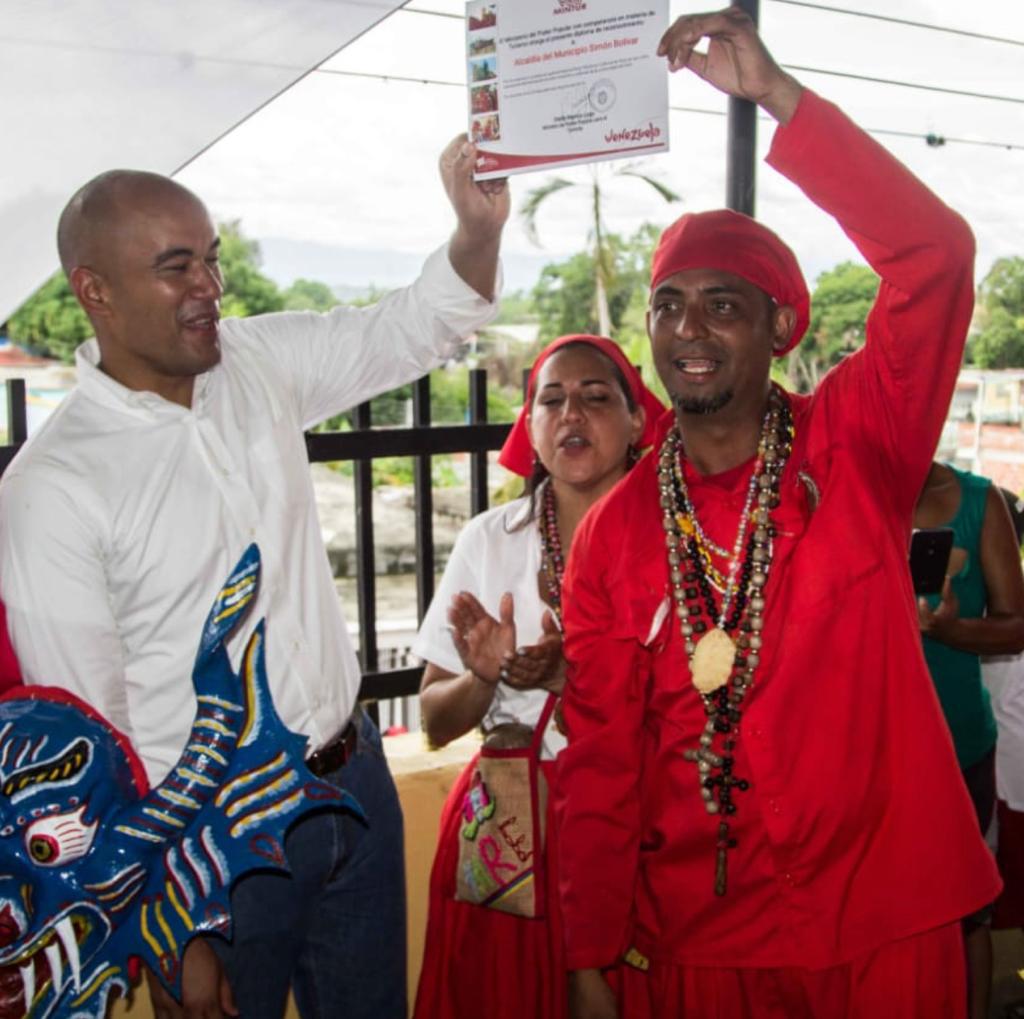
<point x="712" y="661"/>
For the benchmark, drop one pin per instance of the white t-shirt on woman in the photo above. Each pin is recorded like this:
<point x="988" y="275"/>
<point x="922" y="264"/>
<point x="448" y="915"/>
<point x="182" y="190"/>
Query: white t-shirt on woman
<point x="495" y="552"/>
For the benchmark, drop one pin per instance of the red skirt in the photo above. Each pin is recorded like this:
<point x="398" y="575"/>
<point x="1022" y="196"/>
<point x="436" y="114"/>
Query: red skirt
<point x="920" y="977"/>
<point x="1008" y="911"/>
<point x="479" y="961"/>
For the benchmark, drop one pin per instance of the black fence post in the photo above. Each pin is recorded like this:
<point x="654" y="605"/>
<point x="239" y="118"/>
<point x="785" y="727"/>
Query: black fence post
<point x="423" y="498"/>
<point x="17" y="421"/>
<point x="17" y="414"/>
<point x="366" y="572"/>
<point x="478" y="497"/>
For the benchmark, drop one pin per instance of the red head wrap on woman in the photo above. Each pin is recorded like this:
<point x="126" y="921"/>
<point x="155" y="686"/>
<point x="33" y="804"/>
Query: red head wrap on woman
<point x="517" y="453"/>
<point x="731" y="242"/>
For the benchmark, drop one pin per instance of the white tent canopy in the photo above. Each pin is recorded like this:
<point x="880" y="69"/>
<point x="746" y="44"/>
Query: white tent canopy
<point x="87" y="85"/>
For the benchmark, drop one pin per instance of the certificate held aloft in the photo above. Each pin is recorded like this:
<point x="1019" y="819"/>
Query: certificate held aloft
<point x="557" y="82"/>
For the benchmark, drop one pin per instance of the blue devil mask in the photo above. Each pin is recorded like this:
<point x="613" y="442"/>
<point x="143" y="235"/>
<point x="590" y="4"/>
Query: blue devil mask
<point x="95" y="871"/>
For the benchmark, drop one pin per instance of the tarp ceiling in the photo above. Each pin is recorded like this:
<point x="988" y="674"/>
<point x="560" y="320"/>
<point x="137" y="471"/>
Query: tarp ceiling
<point x="86" y="85"/>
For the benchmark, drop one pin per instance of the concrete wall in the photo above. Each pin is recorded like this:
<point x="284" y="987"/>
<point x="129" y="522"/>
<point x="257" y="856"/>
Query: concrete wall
<point x="423" y="779"/>
<point x="994" y="451"/>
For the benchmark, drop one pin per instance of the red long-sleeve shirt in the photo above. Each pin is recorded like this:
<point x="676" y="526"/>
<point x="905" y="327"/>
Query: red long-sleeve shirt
<point x="857" y="829"/>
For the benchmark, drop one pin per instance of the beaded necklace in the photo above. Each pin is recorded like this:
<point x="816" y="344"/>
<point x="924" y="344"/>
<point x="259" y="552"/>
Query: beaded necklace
<point x="552" y="560"/>
<point x="689" y="525"/>
<point x="552" y="564"/>
<point x="722" y="666"/>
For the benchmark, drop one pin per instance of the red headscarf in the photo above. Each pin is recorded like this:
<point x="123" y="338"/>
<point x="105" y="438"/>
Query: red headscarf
<point x="731" y="242"/>
<point x="517" y="453"/>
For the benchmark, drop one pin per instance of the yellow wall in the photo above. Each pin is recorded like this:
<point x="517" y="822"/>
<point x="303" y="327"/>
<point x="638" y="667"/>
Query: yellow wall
<point x="423" y="779"/>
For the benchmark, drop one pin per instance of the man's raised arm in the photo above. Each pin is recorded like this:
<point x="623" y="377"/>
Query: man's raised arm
<point x="922" y="250"/>
<point x="482" y="209"/>
<point x="736" y="61"/>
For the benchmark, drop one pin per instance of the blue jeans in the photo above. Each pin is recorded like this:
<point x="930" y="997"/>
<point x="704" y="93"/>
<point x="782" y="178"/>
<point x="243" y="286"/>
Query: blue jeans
<point x="334" y="929"/>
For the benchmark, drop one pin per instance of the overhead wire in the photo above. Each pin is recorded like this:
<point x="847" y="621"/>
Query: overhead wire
<point x="891" y="82"/>
<point x="965" y="33"/>
<point x="929" y="138"/>
<point x="804" y="69"/>
<point x="405" y="9"/>
<point x="905" y="84"/>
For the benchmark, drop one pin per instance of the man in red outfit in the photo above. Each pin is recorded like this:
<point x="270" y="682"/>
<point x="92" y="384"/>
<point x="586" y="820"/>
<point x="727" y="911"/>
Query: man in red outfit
<point x="760" y="809"/>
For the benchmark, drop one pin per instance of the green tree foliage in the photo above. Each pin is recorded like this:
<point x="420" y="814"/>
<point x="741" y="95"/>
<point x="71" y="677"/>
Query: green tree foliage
<point x="309" y="295"/>
<point x="449" y="398"/>
<point x="564" y="294"/>
<point x="1003" y="287"/>
<point x="564" y="297"/>
<point x="449" y="403"/>
<point x="631" y="332"/>
<point x="603" y="254"/>
<point x="999" y="342"/>
<point x="516" y="307"/>
<point x="51" y="322"/>
<point x="246" y="290"/>
<point x="637" y="347"/>
<point x="840" y="304"/>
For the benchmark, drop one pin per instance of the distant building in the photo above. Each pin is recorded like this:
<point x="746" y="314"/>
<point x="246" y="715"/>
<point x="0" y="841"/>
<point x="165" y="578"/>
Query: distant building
<point x="983" y="432"/>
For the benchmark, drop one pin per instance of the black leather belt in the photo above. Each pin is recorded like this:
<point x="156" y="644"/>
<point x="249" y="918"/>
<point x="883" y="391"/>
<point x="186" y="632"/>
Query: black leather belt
<point x="335" y="753"/>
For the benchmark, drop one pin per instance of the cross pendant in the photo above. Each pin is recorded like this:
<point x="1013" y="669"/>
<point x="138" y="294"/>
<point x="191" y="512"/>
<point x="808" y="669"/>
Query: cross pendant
<point x="722" y="847"/>
<point x="720" y="864"/>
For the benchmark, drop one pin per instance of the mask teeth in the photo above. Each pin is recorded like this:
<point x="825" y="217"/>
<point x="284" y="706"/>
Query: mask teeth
<point x="28" y="979"/>
<point x="52" y="952"/>
<point x="66" y="932"/>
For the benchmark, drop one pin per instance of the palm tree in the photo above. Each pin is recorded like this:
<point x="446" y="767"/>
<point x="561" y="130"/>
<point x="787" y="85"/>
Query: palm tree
<point x="604" y="267"/>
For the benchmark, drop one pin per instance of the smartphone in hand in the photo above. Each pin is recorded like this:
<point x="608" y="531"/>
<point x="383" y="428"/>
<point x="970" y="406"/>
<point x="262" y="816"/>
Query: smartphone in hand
<point x="929" y="558"/>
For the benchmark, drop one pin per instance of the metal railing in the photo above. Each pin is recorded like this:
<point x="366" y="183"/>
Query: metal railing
<point x="17" y="422"/>
<point x="362" y="446"/>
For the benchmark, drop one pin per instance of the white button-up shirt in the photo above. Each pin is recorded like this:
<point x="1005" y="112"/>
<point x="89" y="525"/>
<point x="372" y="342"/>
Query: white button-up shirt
<point x="124" y="514"/>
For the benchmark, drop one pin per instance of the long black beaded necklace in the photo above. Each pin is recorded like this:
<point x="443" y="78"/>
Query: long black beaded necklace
<point x="552" y="560"/>
<point x="722" y="665"/>
<point x="552" y="564"/>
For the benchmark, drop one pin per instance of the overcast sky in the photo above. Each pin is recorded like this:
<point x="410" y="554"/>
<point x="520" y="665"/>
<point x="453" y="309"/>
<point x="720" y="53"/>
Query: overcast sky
<point x="346" y="162"/>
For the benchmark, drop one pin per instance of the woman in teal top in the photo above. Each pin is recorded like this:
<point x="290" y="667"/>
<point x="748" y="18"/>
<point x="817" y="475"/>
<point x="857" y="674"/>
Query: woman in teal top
<point x="957" y="672"/>
<point x="980" y="611"/>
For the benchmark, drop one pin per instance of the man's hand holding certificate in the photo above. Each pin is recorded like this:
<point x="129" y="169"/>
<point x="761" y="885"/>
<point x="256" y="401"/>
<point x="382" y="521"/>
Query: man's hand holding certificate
<point x="556" y="82"/>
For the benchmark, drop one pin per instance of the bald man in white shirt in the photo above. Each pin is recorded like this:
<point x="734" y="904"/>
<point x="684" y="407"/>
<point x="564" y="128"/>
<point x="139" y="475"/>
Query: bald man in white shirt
<point x="180" y="445"/>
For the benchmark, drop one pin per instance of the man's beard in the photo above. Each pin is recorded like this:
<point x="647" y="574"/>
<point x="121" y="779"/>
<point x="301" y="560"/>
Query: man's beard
<point x="701" y="404"/>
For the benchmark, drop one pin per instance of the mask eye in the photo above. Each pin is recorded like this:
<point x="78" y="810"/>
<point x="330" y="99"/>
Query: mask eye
<point x="43" y="848"/>
<point x="59" y="839"/>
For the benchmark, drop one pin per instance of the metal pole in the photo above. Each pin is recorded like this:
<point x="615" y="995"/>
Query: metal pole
<point x="423" y="498"/>
<point x="366" y="572"/>
<point x="477" y="461"/>
<point x="741" y="152"/>
<point x="17" y="416"/>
